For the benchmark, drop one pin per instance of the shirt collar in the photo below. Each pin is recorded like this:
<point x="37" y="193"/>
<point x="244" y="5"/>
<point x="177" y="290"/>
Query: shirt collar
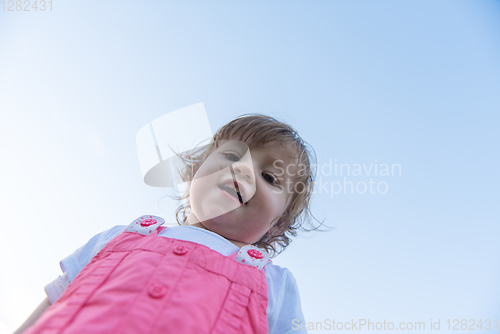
<point x="201" y="236"/>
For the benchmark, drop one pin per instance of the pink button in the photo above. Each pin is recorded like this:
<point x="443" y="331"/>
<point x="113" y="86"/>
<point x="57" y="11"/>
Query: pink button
<point x="148" y="222"/>
<point x="180" y="250"/>
<point x="255" y="254"/>
<point x="157" y="290"/>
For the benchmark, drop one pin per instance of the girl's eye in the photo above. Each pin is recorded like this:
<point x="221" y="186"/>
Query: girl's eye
<point x="270" y="178"/>
<point x="232" y="156"/>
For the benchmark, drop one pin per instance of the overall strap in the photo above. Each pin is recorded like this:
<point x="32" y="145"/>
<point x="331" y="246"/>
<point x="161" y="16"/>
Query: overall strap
<point x="146" y="225"/>
<point x="252" y="256"/>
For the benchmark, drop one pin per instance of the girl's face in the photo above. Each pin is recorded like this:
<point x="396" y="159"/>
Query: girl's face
<point x="238" y="192"/>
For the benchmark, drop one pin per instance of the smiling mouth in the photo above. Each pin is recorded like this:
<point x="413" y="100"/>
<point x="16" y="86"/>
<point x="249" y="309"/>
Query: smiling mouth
<point x="232" y="188"/>
<point x="232" y="191"/>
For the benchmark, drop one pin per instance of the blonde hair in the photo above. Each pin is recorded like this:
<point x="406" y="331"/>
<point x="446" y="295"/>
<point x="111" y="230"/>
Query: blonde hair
<point x="256" y="130"/>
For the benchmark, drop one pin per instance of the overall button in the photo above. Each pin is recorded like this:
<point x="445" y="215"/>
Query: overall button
<point x="180" y="250"/>
<point x="148" y="222"/>
<point x="255" y="254"/>
<point x="157" y="290"/>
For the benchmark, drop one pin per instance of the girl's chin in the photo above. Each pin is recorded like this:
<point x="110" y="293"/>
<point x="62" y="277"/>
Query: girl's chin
<point x="219" y="209"/>
<point x="219" y="216"/>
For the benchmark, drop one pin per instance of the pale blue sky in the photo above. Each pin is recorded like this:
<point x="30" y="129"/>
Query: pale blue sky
<point x="414" y="83"/>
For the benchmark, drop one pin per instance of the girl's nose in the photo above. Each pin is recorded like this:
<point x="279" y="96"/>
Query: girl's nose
<point x="245" y="172"/>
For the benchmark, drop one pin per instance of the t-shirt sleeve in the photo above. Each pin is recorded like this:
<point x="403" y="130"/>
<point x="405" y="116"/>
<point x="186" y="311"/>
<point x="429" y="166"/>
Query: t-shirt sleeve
<point x="75" y="262"/>
<point x="285" y="307"/>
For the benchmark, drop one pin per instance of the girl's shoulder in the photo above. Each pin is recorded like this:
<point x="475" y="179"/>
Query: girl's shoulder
<point x="277" y="275"/>
<point x="277" y="271"/>
<point x="73" y="263"/>
<point x="284" y="305"/>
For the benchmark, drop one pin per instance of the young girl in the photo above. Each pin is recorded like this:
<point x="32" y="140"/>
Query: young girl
<point x="248" y="192"/>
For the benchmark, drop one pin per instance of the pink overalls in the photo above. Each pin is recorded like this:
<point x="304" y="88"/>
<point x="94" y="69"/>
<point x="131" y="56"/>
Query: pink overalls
<point x="144" y="283"/>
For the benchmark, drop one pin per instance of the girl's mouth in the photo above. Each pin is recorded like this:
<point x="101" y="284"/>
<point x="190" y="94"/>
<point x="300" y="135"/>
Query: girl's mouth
<point x="231" y="187"/>
<point x="236" y="185"/>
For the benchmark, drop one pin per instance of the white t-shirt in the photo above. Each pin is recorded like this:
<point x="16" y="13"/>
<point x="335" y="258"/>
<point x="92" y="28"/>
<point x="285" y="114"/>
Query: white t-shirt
<point x="283" y="295"/>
